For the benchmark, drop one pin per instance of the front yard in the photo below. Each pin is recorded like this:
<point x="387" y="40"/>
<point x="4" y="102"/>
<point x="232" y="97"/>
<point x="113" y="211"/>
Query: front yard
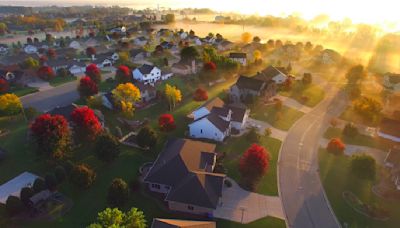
<point x="351" y="115"/>
<point x="235" y="147"/>
<point x="282" y="119"/>
<point x="309" y="95"/>
<point x="22" y="91"/>
<point x="57" y="81"/>
<point x="337" y="178"/>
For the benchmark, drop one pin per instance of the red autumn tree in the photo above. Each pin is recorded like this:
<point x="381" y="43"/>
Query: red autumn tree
<point x="288" y="84"/>
<point x="4" y="86"/>
<point x="90" y="51"/>
<point x="94" y="73"/>
<point x="123" y="74"/>
<point x="253" y="165"/>
<point x="51" y="53"/>
<point x="166" y="122"/>
<point x="51" y="135"/>
<point x="336" y="146"/>
<point x="46" y="73"/>
<point x="200" y="95"/>
<point x="86" y="124"/>
<point x="210" y="66"/>
<point x="87" y="87"/>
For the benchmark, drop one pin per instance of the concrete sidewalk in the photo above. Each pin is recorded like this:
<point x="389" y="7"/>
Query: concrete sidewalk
<point x="261" y="126"/>
<point x="245" y="207"/>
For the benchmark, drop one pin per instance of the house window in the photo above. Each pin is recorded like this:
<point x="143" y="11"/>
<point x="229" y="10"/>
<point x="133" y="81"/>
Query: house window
<point x="156" y="186"/>
<point x="201" y="131"/>
<point x="190" y="207"/>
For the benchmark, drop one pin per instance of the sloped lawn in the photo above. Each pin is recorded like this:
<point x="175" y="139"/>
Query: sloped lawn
<point x="313" y="93"/>
<point x="282" y="119"/>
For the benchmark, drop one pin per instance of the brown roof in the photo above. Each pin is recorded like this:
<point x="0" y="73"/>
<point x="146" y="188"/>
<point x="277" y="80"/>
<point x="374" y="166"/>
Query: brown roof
<point x="390" y="127"/>
<point x="182" y="166"/>
<point x="177" y="223"/>
<point x="215" y="102"/>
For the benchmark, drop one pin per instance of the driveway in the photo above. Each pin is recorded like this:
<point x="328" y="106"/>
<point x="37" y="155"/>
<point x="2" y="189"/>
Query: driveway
<point x="261" y="126"/>
<point x="244" y="207"/>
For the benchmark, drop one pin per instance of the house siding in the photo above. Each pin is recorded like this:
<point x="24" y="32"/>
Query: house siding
<point x="206" y="130"/>
<point x="176" y="206"/>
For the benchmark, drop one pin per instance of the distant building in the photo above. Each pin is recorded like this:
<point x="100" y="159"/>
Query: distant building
<point x="239" y="57"/>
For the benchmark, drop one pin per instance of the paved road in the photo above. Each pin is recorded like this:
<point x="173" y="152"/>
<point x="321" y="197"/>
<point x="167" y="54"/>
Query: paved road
<point x="303" y="197"/>
<point x="55" y="97"/>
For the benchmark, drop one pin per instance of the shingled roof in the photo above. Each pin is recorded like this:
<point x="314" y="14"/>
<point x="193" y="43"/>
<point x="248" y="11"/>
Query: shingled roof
<point x="244" y="82"/>
<point x="177" y="223"/>
<point x="146" y="68"/>
<point x="237" y="55"/>
<point x="182" y="165"/>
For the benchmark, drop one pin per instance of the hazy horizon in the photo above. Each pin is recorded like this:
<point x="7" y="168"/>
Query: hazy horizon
<point x="373" y="12"/>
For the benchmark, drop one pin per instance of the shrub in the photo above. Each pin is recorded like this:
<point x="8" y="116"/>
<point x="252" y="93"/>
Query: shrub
<point x="350" y="130"/>
<point x="39" y="185"/>
<point x="147" y="137"/>
<point x="46" y="73"/>
<point x="10" y="104"/>
<point x="14" y="206"/>
<point x="307" y="78"/>
<point x="60" y="173"/>
<point x="68" y="166"/>
<point x="4" y="86"/>
<point x="107" y="147"/>
<point x="82" y="176"/>
<point x="253" y="135"/>
<point x="86" y="124"/>
<point x="94" y="73"/>
<point x="123" y="74"/>
<point x="166" y="122"/>
<point x="31" y="113"/>
<point x="118" y="193"/>
<point x="336" y="146"/>
<point x="51" y="181"/>
<point x="200" y="95"/>
<point x="87" y="87"/>
<point x="267" y="131"/>
<point x="26" y="194"/>
<point x="363" y="166"/>
<point x="134" y="185"/>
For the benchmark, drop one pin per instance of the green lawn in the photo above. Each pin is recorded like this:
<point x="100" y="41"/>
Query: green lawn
<point x="22" y="91"/>
<point x="336" y="178"/>
<point x="268" y="222"/>
<point x="57" y="81"/>
<point x="287" y="117"/>
<point x="235" y="147"/>
<point x="314" y="93"/>
<point x="360" y="140"/>
<point x="107" y="85"/>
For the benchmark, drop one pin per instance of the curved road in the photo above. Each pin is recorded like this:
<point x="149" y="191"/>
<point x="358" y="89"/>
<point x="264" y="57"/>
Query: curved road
<point x="301" y="191"/>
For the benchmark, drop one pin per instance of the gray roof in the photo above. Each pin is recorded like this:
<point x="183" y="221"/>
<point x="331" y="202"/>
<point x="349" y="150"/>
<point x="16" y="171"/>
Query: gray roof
<point x="250" y="83"/>
<point x="237" y="55"/>
<point x="146" y="68"/>
<point x="272" y="71"/>
<point x="181" y="166"/>
<point x="238" y="114"/>
<point x="221" y="124"/>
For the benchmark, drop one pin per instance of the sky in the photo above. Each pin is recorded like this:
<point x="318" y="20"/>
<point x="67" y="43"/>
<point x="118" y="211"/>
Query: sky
<point x="366" y="11"/>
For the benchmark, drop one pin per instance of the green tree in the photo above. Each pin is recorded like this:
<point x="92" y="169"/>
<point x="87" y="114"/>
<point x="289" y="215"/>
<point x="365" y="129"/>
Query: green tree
<point x="147" y="137"/>
<point x="355" y="74"/>
<point x="363" y="166"/>
<point x="107" y="147"/>
<point x="116" y="218"/>
<point x="118" y="193"/>
<point x="189" y="53"/>
<point x="3" y="28"/>
<point x="14" y="205"/>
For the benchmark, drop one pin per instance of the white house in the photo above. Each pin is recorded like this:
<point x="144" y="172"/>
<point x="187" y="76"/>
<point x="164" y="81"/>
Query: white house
<point x="75" y="45"/>
<point x="183" y="35"/>
<point x="140" y="41"/>
<point x="216" y="121"/>
<point x="275" y="74"/>
<point x="138" y="54"/>
<point x="239" y="57"/>
<point x="77" y="68"/>
<point x="30" y="49"/>
<point x="102" y="61"/>
<point x="115" y="57"/>
<point x="147" y="74"/>
<point x="3" y="49"/>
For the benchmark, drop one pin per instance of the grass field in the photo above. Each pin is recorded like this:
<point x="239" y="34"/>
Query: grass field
<point x="314" y="93"/>
<point x="282" y="119"/>
<point x="22" y="91"/>
<point x="57" y="81"/>
<point x="350" y="115"/>
<point x="235" y="147"/>
<point x="336" y="178"/>
<point x="360" y="140"/>
<point x="262" y="223"/>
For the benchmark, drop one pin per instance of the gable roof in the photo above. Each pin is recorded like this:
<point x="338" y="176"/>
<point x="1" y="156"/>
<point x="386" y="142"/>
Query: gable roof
<point x="272" y="71"/>
<point x="218" y="122"/>
<point x="215" y="102"/>
<point x="180" y="166"/>
<point x="238" y="114"/>
<point x="390" y="127"/>
<point x="177" y="223"/>
<point x="237" y="55"/>
<point x="250" y="83"/>
<point x="146" y="68"/>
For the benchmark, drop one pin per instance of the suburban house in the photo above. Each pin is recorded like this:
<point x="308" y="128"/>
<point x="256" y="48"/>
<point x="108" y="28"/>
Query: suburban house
<point x="182" y="68"/>
<point x="239" y="57"/>
<point x="140" y="41"/>
<point x="224" y="45"/>
<point x="392" y="81"/>
<point x="13" y="187"/>
<point x="216" y="121"/>
<point x="177" y="223"/>
<point x="3" y="49"/>
<point x="138" y="54"/>
<point x="247" y="89"/>
<point x="14" y="75"/>
<point x="392" y="161"/>
<point x="147" y="92"/>
<point x="103" y="60"/>
<point x="30" y="49"/>
<point x="75" y="45"/>
<point x="389" y="129"/>
<point x="184" y="169"/>
<point x="277" y="74"/>
<point x="77" y="68"/>
<point x="149" y="74"/>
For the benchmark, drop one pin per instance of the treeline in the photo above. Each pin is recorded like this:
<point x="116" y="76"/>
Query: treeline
<point x="16" y="10"/>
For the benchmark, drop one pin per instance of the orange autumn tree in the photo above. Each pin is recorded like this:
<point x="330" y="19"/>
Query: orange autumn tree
<point x="246" y="37"/>
<point x="126" y="95"/>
